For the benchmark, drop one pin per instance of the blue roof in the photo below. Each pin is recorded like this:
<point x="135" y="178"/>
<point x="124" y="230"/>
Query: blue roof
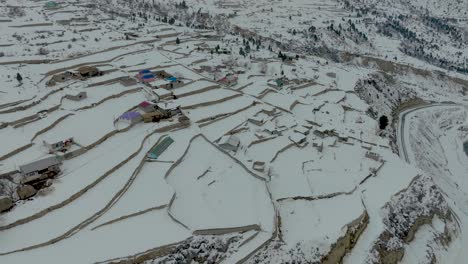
<point x="130" y="115"/>
<point x="144" y="71"/>
<point x="172" y="79"/>
<point x="148" y="76"/>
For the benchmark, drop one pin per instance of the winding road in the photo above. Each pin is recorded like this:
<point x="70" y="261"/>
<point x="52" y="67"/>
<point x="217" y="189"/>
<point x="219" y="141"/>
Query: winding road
<point x="452" y="182"/>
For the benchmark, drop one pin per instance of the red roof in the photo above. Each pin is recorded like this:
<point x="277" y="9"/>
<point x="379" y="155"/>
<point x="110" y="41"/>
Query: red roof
<point x="144" y="104"/>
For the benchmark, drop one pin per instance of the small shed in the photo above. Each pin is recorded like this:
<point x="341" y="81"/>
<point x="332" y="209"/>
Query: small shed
<point x="229" y="142"/>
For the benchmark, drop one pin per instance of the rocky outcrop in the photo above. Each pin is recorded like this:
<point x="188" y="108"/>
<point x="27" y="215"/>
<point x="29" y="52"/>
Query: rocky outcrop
<point x="25" y="192"/>
<point x="5" y="203"/>
<point x="347" y="242"/>
<point x="406" y="213"/>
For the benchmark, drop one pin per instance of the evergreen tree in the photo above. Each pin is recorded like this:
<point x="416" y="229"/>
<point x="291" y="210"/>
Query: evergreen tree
<point x="241" y="52"/>
<point x="19" y="77"/>
<point x="177" y="41"/>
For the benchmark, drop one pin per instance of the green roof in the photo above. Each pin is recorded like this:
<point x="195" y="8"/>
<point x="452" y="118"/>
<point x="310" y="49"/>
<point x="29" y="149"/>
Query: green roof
<point x="160" y="148"/>
<point x="51" y="4"/>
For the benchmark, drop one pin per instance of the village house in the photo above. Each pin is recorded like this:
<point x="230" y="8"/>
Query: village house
<point x="229" y="142"/>
<point x="61" y="146"/>
<point x="47" y="165"/>
<point x="171" y="107"/>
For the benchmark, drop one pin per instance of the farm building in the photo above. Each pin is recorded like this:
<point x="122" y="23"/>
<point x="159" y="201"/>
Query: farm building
<point x="41" y="166"/>
<point x="160" y="148"/>
<point x="229" y="142"/>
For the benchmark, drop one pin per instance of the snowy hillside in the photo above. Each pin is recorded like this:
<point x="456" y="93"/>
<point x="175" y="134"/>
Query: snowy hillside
<point x="222" y="131"/>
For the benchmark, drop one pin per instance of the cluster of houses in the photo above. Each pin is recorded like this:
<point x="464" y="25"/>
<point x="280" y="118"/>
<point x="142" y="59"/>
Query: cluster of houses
<point x="81" y="73"/>
<point x="148" y="112"/>
<point x="159" y="79"/>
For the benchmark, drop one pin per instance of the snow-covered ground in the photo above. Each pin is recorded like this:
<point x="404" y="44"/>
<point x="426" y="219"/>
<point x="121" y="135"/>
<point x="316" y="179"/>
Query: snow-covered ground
<point x="284" y="163"/>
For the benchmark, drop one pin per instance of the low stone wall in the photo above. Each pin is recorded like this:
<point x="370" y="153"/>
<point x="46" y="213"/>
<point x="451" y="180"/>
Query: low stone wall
<point x="24" y="107"/>
<point x="114" y="96"/>
<point x="223" y="231"/>
<point x="219" y="117"/>
<point x="347" y="242"/>
<point x="208" y="88"/>
<point x="42" y="131"/>
<point x="145" y="255"/>
<point x="211" y="102"/>
<point x="282" y="150"/>
<point x="16" y="151"/>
